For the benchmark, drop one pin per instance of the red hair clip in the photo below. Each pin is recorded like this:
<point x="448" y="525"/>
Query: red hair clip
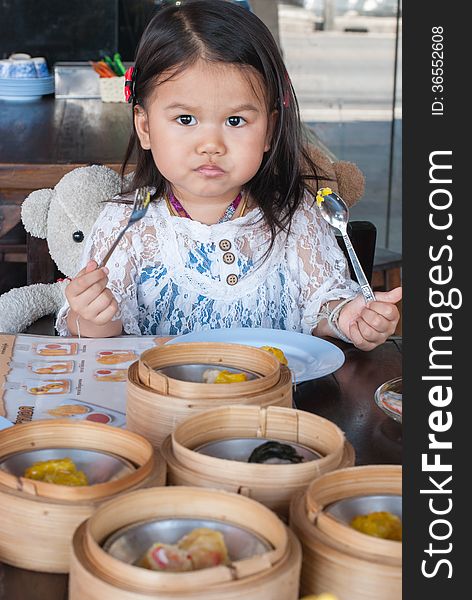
<point x="130" y="85"/>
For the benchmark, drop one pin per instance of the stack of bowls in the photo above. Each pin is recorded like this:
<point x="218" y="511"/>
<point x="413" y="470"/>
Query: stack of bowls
<point x="23" y="78"/>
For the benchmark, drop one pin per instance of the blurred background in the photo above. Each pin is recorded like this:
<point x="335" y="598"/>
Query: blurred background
<point x="343" y="56"/>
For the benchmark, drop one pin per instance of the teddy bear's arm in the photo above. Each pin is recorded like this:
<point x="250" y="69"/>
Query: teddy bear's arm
<point x="22" y="306"/>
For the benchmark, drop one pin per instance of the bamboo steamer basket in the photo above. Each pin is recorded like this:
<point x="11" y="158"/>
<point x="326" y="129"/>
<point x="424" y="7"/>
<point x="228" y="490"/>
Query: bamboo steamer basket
<point x="96" y="575"/>
<point x="39" y="519"/>
<point x="272" y="485"/>
<point x="336" y="557"/>
<point x="157" y="403"/>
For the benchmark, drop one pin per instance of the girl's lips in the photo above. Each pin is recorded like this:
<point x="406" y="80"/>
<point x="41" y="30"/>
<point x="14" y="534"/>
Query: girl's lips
<point x="210" y="170"/>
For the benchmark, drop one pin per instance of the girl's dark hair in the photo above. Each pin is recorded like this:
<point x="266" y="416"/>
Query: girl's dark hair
<point x="178" y="36"/>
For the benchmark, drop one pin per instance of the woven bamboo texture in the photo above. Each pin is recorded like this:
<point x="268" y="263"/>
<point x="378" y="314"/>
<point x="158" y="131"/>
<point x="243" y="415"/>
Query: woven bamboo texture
<point x="39" y="519"/>
<point x="96" y="575"/>
<point x="337" y="558"/>
<point x="272" y="485"/>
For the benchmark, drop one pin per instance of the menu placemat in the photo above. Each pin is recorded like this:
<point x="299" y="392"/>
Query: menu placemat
<point x="47" y="377"/>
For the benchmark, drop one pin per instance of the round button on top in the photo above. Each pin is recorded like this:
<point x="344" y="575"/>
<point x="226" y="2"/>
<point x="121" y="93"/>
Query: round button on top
<point x="232" y="279"/>
<point x="228" y="258"/>
<point x="225" y="245"/>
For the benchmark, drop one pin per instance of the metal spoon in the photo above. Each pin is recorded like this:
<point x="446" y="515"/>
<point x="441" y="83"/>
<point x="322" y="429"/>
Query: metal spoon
<point x="335" y="211"/>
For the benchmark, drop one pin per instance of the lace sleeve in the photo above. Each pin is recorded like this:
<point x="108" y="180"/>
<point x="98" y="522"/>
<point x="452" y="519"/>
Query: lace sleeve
<point x="122" y="265"/>
<point x="322" y="269"/>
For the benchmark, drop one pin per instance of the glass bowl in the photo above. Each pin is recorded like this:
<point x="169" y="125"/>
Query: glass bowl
<point x="388" y="398"/>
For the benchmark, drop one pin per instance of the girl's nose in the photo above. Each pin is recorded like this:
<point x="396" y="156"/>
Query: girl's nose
<point x="211" y="145"/>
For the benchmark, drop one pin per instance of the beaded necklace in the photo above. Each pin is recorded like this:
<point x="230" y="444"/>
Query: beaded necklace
<point x="176" y="207"/>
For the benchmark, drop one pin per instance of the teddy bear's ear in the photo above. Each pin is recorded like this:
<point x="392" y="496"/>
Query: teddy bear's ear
<point x="34" y="212"/>
<point x="350" y="181"/>
<point x="344" y="177"/>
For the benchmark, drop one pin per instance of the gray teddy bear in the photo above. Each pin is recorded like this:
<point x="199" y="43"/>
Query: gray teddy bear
<point x="64" y="216"/>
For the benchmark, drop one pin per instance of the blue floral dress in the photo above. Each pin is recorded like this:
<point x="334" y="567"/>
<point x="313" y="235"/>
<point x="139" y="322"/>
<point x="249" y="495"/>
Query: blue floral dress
<point x="171" y="275"/>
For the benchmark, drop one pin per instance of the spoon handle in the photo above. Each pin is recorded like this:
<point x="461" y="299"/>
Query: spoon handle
<point x="358" y="270"/>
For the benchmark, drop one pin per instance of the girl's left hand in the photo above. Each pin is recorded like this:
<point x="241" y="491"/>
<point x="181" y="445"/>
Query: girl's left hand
<point x="369" y="325"/>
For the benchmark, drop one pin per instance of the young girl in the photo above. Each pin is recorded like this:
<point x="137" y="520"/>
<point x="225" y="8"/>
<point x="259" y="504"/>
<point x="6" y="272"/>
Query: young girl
<point x="233" y="237"/>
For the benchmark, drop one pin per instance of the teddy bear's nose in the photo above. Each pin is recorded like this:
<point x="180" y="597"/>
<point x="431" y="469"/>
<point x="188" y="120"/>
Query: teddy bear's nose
<point x="78" y="236"/>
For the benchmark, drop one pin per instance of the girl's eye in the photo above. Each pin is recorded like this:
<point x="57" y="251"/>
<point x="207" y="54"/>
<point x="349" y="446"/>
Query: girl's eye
<point x="186" y="120"/>
<point x="235" y="121"/>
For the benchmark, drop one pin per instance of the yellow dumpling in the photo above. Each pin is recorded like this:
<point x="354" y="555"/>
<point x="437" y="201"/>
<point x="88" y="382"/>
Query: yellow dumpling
<point x="277" y="352"/>
<point x="380" y="524"/>
<point x="227" y="377"/>
<point x="61" y="471"/>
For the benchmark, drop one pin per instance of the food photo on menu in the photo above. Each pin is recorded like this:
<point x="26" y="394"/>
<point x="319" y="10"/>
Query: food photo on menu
<point x="48" y="379"/>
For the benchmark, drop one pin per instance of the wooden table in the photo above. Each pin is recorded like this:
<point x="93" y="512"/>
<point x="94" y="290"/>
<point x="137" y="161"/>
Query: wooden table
<point x="345" y="397"/>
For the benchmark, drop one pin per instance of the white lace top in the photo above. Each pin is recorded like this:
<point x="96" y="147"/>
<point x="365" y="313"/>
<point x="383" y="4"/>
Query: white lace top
<point x="171" y="275"/>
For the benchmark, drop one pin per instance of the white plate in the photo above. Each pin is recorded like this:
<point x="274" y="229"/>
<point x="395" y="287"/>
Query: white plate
<point x="308" y="357"/>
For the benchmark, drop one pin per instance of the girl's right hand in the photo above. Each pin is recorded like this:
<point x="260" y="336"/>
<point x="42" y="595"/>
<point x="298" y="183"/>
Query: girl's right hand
<point x="89" y="297"/>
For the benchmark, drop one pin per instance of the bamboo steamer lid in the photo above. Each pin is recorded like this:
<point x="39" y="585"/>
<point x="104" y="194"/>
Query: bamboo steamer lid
<point x="272" y="485"/>
<point x="336" y="557"/>
<point x="39" y="519"/>
<point x="96" y="575"/>
<point x="212" y="353"/>
<point x="157" y="403"/>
